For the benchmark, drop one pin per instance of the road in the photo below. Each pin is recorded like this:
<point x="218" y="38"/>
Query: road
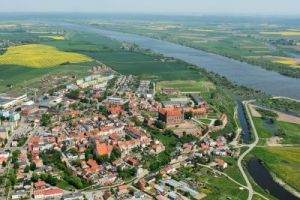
<point x="251" y="146"/>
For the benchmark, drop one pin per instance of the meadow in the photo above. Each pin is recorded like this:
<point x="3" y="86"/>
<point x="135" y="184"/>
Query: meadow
<point x="266" y="130"/>
<point x="39" y="56"/>
<point x="186" y="86"/>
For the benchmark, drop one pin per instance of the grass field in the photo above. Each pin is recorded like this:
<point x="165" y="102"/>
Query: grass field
<point x="186" y="86"/>
<point x="39" y="56"/>
<point x="228" y="39"/>
<point x="282" y="161"/>
<point x="265" y="131"/>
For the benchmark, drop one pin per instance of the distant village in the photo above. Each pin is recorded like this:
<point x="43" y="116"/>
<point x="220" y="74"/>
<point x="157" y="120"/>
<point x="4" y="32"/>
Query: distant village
<point x="107" y="136"/>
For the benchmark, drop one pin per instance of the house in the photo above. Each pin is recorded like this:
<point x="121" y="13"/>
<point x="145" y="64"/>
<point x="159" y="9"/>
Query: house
<point x="168" y="170"/>
<point x="157" y="148"/>
<point x="3" y="157"/>
<point x="131" y="161"/>
<point x="198" y="100"/>
<point x="48" y="193"/>
<point x="103" y="149"/>
<point x="224" y="119"/>
<point x="199" y="112"/>
<point x="141" y="184"/>
<point x="73" y="196"/>
<point x="94" y="167"/>
<point x="221" y="163"/>
<point x="107" y="195"/>
<point x="122" y="189"/>
<point x="171" y="116"/>
<point x="40" y="185"/>
<point x="115" y="110"/>
<point x="19" y="195"/>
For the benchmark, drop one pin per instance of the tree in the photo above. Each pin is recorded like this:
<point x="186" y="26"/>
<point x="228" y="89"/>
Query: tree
<point x="75" y="181"/>
<point x="12" y="177"/>
<point x="126" y="107"/>
<point x="73" y="94"/>
<point x="115" y="154"/>
<point x="26" y="170"/>
<point x="160" y="124"/>
<point x="32" y="166"/>
<point x="103" y="110"/>
<point x="187" y="115"/>
<point x="34" y="177"/>
<point x="101" y="159"/>
<point x="218" y="122"/>
<point x="46" y="119"/>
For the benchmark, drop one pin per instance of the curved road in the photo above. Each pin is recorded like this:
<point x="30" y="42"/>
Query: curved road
<point x="251" y="146"/>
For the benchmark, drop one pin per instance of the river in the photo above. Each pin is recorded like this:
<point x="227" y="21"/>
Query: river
<point x="263" y="178"/>
<point x="242" y="73"/>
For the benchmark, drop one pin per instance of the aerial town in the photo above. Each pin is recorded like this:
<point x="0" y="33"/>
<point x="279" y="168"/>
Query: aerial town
<point x="107" y="136"/>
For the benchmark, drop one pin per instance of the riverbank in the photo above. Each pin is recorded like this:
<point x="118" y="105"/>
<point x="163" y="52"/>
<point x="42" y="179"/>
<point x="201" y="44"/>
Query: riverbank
<point x="248" y="48"/>
<point x="250" y="76"/>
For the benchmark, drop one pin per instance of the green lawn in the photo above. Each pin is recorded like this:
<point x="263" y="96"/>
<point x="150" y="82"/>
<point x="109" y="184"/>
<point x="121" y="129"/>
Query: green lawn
<point x="205" y="121"/>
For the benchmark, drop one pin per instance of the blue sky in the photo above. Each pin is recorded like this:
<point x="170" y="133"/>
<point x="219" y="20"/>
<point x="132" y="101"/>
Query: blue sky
<point x="193" y="7"/>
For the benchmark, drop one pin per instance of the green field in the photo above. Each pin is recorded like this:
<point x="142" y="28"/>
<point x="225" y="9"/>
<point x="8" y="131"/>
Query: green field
<point x="282" y="161"/>
<point x="265" y="131"/>
<point x="232" y="39"/>
<point x="39" y="56"/>
<point x="186" y="86"/>
<point x="46" y="51"/>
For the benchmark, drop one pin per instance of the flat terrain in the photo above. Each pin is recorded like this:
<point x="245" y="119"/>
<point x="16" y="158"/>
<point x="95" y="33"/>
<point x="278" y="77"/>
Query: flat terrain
<point x="264" y="43"/>
<point x="186" y="86"/>
<point x="25" y="65"/>
<point x="39" y="56"/>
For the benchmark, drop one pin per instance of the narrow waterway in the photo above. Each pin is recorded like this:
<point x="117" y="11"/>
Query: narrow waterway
<point x="263" y="178"/>
<point x="244" y="123"/>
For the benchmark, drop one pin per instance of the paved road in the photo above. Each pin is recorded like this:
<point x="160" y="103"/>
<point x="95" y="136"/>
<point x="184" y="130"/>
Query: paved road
<point x="251" y="146"/>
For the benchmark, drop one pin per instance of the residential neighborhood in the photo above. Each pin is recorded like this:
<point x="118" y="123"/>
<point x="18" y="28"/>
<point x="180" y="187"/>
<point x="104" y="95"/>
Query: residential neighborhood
<point x="104" y="133"/>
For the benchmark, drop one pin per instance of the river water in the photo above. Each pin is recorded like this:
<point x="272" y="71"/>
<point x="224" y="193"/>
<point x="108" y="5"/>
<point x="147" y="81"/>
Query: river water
<point x="263" y="178"/>
<point x="242" y="73"/>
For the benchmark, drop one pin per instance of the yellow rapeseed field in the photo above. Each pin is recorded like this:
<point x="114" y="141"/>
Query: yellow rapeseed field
<point x="282" y="33"/>
<point x="286" y="62"/>
<point x="39" y="56"/>
<point x="54" y="37"/>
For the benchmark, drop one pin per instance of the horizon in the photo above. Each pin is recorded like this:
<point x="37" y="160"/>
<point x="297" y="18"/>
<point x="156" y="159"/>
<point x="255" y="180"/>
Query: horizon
<point x="155" y="7"/>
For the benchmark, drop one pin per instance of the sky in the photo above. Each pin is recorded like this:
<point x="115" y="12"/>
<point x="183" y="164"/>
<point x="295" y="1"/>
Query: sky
<point x="186" y="7"/>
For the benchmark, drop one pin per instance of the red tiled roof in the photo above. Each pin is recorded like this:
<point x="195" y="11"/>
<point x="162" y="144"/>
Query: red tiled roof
<point x="39" y="184"/>
<point x="171" y="111"/>
<point x="123" y="187"/>
<point x="103" y="149"/>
